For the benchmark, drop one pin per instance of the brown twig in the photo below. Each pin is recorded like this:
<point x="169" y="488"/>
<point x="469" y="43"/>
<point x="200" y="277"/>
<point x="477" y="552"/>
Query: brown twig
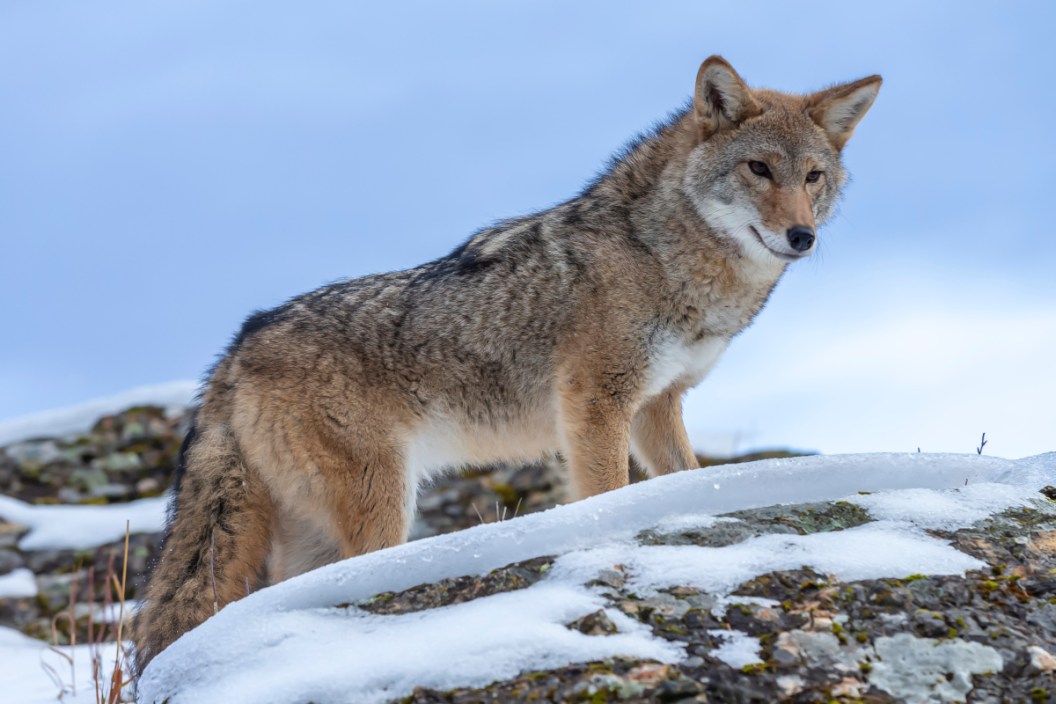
<point x="117" y="677"/>
<point x="212" y="572"/>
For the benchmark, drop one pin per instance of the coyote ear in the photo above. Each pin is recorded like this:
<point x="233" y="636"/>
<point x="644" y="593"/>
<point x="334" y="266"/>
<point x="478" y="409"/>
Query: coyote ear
<point x="839" y="109"/>
<point x="721" y="98"/>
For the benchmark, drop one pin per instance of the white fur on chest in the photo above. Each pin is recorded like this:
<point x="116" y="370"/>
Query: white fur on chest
<point x="674" y="360"/>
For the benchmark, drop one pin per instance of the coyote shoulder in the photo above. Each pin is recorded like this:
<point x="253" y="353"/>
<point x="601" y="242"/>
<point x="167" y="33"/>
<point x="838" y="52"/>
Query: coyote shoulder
<point x="575" y="330"/>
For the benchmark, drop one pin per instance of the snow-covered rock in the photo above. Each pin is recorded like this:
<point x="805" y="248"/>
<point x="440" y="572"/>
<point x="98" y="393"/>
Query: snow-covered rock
<point x="321" y="637"/>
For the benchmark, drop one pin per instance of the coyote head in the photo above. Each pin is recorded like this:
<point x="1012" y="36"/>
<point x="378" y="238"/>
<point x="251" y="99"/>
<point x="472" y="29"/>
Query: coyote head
<point x="765" y="170"/>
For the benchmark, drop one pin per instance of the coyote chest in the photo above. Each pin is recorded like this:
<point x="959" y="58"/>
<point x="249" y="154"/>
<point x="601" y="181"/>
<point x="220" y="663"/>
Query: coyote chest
<point x="674" y="360"/>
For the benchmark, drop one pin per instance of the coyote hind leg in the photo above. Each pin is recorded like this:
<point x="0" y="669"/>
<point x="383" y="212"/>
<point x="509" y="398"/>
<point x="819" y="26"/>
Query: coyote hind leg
<point x="368" y="495"/>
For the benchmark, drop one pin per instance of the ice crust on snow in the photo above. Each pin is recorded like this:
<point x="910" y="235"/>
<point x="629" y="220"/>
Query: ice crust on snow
<point x="291" y="642"/>
<point x="82" y="527"/>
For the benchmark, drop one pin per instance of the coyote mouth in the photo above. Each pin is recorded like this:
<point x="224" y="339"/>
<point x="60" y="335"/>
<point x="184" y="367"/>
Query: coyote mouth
<point x="779" y="255"/>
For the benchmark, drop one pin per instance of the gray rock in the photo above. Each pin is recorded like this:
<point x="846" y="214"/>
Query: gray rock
<point x="9" y="560"/>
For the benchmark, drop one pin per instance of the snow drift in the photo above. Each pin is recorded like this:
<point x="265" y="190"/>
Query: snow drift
<point x="299" y="641"/>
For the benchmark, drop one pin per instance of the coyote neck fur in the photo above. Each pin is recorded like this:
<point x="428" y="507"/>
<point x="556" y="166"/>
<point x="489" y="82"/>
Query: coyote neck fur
<point x="711" y="286"/>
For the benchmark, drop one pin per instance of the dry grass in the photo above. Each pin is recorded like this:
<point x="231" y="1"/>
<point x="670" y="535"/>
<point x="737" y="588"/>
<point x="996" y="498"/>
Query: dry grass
<point x="110" y="686"/>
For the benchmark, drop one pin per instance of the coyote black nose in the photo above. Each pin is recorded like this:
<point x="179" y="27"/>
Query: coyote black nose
<point x="801" y="238"/>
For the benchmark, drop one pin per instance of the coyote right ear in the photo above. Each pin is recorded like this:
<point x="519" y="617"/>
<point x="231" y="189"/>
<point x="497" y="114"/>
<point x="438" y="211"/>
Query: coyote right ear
<point x="721" y="99"/>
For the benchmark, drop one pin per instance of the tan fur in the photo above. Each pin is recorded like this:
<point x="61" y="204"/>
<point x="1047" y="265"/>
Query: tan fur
<point x="574" y="330"/>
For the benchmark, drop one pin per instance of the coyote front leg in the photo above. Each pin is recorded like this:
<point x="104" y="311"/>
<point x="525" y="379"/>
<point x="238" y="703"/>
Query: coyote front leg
<point x="596" y="428"/>
<point x="658" y="436"/>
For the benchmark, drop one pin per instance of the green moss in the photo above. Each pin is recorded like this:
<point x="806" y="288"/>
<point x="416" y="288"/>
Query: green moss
<point x="757" y="668"/>
<point x="507" y="494"/>
<point x="915" y="577"/>
<point x="837" y="516"/>
<point x="535" y="676"/>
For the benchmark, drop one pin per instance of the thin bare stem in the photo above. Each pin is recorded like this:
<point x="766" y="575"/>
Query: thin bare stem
<point x="121" y="594"/>
<point x="117" y="676"/>
<point x="212" y="572"/>
<point x="73" y="633"/>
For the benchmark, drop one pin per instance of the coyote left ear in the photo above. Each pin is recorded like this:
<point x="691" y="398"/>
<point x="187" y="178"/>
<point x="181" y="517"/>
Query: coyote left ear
<point x="721" y="98"/>
<point x="839" y="109"/>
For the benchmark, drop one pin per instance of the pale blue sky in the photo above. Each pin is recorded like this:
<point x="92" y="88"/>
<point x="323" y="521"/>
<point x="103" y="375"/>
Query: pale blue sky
<point x="167" y="167"/>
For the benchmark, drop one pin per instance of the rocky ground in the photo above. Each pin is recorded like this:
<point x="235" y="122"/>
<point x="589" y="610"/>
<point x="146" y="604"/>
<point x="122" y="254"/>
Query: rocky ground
<point x="985" y="637"/>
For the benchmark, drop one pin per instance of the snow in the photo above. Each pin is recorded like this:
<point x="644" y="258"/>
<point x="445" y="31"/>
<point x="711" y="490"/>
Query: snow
<point x="944" y="509"/>
<point x="874" y="550"/>
<point x="737" y="649"/>
<point x="34" y="673"/>
<point x="82" y="527"/>
<point x="79" y="418"/>
<point x="291" y="642"/>
<point x="18" y="584"/>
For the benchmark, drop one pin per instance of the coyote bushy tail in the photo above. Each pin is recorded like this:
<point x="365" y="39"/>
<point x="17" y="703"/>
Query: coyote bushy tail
<point x="215" y="544"/>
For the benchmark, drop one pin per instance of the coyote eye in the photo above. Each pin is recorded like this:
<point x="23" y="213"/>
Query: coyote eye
<point x="759" y="169"/>
<point x="813" y="176"/>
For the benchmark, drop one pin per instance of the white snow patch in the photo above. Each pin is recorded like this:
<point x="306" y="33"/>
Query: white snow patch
<point x="18" y="584"/>
<point x="82" y="527"/>
<point x="871" y="551"/>
<point x="24" y="665"/>
<point x="79" y="418"/>
<point x="946" y="509"/>
<point x="289" y="642"/>
<point x="737" y="649"/>
<point x="381" y="657"/>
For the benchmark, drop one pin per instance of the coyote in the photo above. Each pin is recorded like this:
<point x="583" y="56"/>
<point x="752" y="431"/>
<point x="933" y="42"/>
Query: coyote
<point x="575" y="330"/>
